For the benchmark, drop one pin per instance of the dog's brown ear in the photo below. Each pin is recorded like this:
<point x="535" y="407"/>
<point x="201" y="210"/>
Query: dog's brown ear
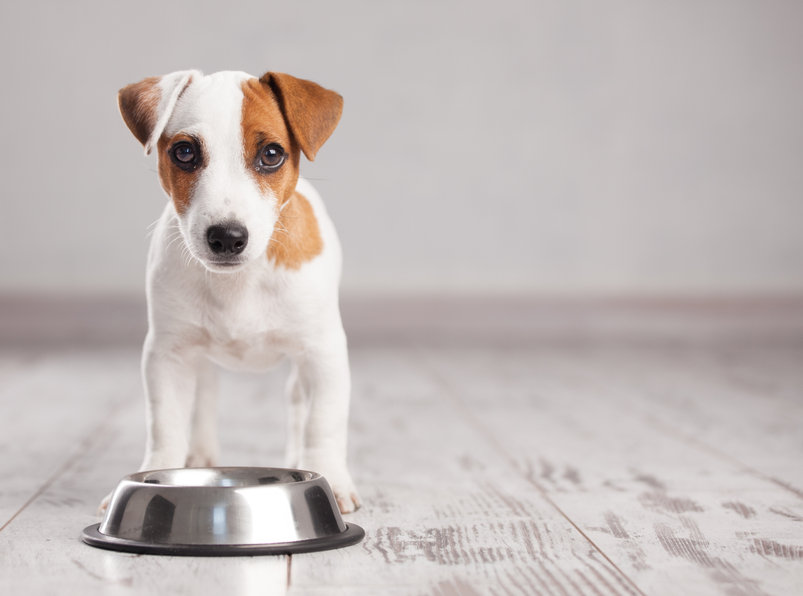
<point x="146" y="106"/>
<point x="138" y="103"/>
<point x="311" y="112"/>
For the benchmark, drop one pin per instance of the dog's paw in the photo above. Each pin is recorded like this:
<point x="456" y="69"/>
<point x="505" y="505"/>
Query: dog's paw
<point x="338" y="477"/>
<point x="104" y="505"/>
<point x="347" y="499"/>
<point x="202" y="454"/>
<point x="201" y="460"/>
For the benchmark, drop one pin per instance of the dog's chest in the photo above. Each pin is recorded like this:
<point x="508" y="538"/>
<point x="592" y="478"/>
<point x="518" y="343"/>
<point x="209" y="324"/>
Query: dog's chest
<point x="249" y="327"/>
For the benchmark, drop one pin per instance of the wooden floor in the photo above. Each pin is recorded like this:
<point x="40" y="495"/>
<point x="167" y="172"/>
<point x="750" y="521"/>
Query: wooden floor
<point x="575" y="468"/>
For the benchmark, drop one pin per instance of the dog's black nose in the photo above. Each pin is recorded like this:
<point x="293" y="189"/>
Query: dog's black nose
<point x="228" y="239"/>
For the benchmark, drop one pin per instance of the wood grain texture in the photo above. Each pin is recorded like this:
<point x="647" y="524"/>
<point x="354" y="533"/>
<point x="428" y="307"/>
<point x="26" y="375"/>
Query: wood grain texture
<point x="664" y="505"/>
<point x="50" y="406"/>
<point x="562" y="469"/>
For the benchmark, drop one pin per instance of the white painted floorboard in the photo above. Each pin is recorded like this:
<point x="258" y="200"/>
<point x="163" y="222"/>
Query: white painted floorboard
<point x="574" y="469"/>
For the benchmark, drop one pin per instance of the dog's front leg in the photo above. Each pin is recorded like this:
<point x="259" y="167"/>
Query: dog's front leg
<point x="204" y="447"/>
<point x="298" y="409"/>
<point x="324" y="377"/>
<point x="170" y="383"/>
<point x="171" y="378"/>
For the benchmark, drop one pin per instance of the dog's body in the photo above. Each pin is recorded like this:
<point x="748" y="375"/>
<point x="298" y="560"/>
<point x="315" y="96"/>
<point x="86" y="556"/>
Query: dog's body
<point x="244" y="264"/>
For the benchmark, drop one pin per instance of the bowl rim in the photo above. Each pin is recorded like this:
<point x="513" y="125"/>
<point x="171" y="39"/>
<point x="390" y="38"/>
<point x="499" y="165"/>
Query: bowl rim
<point x="138" y="478"/>
<point x="352" y="535"/>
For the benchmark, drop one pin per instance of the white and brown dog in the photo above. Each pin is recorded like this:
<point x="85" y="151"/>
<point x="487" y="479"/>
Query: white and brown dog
<point x="244" y="264"/>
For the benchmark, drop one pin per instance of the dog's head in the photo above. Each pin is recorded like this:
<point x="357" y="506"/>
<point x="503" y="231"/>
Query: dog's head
<point x="229" y="147"/>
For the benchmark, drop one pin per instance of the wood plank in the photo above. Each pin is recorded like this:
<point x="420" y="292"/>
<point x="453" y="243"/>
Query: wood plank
<point x="727" y="400"/>
<point x="444" y="514"/>
<point x="48" y="406"/>
<point x="669" y="514"/>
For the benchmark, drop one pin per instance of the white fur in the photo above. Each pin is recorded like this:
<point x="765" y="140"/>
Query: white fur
<point x="210" y="109"/>
<point x="248" y="318"/>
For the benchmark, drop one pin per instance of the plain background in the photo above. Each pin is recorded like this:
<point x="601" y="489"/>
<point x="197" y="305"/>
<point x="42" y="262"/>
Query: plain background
<point x="486" y="147"/>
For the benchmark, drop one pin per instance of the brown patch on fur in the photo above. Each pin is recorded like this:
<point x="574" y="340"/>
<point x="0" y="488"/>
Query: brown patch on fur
<point x="297" y="238"/>
<point x="176" y="182"/>
<point x="263" y="123"/>
<point x="138" y="103"/>
<point x="311" y="111"/>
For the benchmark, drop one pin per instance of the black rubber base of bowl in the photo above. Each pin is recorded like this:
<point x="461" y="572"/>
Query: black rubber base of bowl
<point x="352" y="535"/>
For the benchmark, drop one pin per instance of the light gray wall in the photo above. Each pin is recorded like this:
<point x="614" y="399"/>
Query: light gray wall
<point x="556" y="147"/>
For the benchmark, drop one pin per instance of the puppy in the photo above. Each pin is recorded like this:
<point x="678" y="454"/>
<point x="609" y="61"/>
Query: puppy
<point x="244" y="264"/>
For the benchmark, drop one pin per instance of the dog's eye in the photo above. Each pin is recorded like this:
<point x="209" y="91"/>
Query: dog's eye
<point x="184" y="155"/>
<point x="271" y="157"/>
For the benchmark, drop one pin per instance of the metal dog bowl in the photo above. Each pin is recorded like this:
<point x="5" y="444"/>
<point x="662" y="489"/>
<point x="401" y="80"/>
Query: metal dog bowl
<point x="222" y="511"/>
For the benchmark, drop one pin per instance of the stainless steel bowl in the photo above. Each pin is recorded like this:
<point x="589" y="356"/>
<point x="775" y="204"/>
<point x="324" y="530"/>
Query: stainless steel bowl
<point x="222" y="511"/>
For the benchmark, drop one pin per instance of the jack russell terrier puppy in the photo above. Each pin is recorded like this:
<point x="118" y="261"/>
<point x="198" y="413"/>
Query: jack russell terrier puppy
<point x="244" y="264"/>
